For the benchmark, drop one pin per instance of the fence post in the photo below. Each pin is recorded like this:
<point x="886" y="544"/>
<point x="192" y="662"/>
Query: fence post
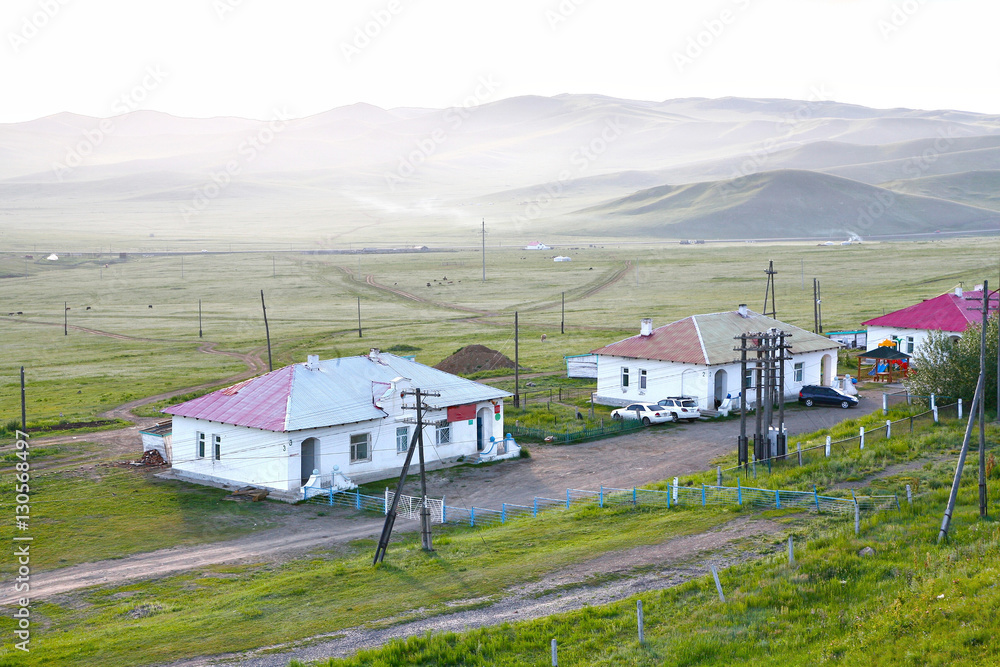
<point x="444" y="511"/>
<point x="535" y="512"/>
<point x="909" y="494"/>
<point x="331" y="495"/>
<point x="600" y="501"/>
<point x="567" y="498"/>
<point x="472" y="516"/>
<point x="960" y="408"/>
<point x="702" y="495"/>
<point x="718" y="475"/>
<point x="791" y="552"/>
<point x="555" y="654"/>
<point x="885" y="403"/>
<point x="857" y="518"/>
<point x="635" y="499"/>
<point x="385" y="501"/>
<point x="935" y="415"/>
<point x="862" y="436"/>
<point x="638" y="613"/>
<point x="739" y="491"/>
<point x="798" y="448"/>
<point x="777" y="499"/>
<point x="888" y="429"/>
<point x="933" y="401"/>
<point x="911" y="425"/>
<point x="816" y="497"/>
<point x="828" y="446"/>
<point x="755" y="467"/>
<point x="503" y="512"/>
<point x="675" y="490"/>
<point x="718" y="586"/>
<point x="357" y="499"/>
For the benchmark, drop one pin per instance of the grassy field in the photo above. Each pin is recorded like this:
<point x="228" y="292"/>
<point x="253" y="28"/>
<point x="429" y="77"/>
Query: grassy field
<point x="312" y="306"/>
<point x="801" y="615"/>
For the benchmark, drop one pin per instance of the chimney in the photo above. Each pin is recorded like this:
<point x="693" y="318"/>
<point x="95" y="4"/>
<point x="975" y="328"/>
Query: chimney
<point x="312" y="362"/>
<point x="978" y="288"/>
<point x="743" y="310"/>
<point x="373" y="354"/>
<point x="646" y="326"/>
<point x="958" y="291"/>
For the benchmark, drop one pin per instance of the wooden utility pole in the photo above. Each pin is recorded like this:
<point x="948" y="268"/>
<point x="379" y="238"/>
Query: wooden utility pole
<point x="390" y="514"/>
<point x="425" y="512"/>
<point x="743" y="455"/>
<point x="65" y="318"/>
<point x="769" y="290"/>
<point x="359" y="317"/>
<point x="819" y="305"/>
<point x="982" y="402"/>
<point x="517" y="367"/>
<point x="199" y="318"/>
<point x="24" y="413"/>
<point x="815" y="307"/>
<point x="950" y="509"/>
<point x="267" y="331"/>
<point x="562" y="320"/>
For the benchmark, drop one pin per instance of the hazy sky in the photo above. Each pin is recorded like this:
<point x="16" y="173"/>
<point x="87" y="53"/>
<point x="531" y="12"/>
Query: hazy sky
<point x="251" y="57"/>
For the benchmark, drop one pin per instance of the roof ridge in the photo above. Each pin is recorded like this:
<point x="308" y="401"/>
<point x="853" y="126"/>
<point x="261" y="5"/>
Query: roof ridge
<point x="701" y="340"/>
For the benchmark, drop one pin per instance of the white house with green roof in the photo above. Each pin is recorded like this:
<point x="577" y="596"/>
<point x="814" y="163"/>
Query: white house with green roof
<point x="696" y="357"/>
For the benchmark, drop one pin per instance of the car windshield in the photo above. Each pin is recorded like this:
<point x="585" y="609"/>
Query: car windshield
<point x="689" y="403"/>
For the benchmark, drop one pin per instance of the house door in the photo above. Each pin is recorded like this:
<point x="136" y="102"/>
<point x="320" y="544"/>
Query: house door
<point x="721" y="382"/>
<point x="483" y="428"/>
<point x="309" y="459"/>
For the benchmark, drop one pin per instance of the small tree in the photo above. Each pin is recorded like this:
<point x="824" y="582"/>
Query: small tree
<point x="950" y="368"/>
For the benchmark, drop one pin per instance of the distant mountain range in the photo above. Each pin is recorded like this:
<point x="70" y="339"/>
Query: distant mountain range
<point x="562" y="167"/>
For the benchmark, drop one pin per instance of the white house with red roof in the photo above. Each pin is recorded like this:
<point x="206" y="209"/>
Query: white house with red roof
<point x="695" y="357"/>
<point x="336" y="417"/>
<point x="951" y="312"/>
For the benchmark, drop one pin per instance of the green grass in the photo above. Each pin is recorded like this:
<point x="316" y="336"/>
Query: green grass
<point x="312" y="307"/>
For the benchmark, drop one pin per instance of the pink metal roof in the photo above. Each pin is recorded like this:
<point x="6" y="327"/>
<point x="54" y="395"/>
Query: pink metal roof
<point x="948" y="312"/>
<point x="259" y="402"/>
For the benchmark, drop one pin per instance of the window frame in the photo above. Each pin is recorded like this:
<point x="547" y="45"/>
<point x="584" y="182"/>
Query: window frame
<point x="798" y="371"/>
<point x="199" y="444"/>
<point x="445" y="430"/>
<point x="642" y="379"/>
<point x="405" y="432"/>
<point x="354" y="458"/>
<point x="624" y="377"/>
<point x="216" y="447"/>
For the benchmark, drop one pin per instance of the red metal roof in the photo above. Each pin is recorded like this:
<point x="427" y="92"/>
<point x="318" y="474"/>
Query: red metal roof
<point x="948" y="312"/>
<point x="259" y="402"/>
<point x="677" y="341"/>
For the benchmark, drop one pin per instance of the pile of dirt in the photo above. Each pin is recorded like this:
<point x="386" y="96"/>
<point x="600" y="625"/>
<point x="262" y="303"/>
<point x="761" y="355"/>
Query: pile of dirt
<point x="474" y="359"/>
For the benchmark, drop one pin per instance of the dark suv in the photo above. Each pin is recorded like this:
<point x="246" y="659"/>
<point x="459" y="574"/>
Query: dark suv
<point x="812" y="394"/>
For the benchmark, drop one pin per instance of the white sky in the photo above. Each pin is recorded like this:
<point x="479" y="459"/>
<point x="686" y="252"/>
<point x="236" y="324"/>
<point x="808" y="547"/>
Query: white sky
<point x="251" y="57"/>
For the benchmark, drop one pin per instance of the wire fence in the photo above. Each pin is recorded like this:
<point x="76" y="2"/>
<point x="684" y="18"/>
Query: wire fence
<point x="675" y="495"/>
<point x="809" y="452"/>
<point x="604" y="430"/>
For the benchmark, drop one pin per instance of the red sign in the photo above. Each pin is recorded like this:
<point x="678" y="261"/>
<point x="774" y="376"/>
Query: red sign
<point x="460" y="413"/>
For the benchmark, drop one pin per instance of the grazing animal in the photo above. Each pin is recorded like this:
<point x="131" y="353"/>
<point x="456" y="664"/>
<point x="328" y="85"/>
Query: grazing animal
<point x="20" y="313"/>
<point x="88" y="307"/>
<point x="150" y="305"/>
<point x="428" y="284"/>
<point x="544" y="337"/>
<point x="579" y="415"/>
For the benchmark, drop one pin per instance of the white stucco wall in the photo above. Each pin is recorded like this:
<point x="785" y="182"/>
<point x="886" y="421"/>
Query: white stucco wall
<point x="668" y="378"/>
<point x="269" y="459"/>
<point x="878" y="334"/>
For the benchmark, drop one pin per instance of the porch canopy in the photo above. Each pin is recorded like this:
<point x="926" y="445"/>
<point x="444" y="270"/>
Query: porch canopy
<point x="883" y="359"/>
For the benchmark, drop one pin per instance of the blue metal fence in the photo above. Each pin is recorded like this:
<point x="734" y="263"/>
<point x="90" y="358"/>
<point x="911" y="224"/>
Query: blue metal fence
<point x="689" y="496"/>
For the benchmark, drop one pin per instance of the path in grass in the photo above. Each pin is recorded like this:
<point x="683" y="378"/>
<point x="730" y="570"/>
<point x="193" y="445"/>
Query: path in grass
<point x="608" y="578"/>
<point x="292" y="538"/>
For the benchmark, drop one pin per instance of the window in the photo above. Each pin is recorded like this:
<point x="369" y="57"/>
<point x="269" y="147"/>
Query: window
<point x="200" y="438"/>
<point x="217" y="446"/>
<point x="361" y="447"/>
<point x="402" y="439"/>
<point x="444" y="433"/>
<point x="748" y="380"/>
<point x="798" y="372"/>
<point x="624" y="377"/>
<point x="642" y="379"/>
<point x="909" y="344"/>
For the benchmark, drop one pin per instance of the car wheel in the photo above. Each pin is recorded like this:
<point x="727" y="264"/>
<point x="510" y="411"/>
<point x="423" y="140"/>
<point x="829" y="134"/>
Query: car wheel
<point x="809" y="402"/>
<point x="645" y="421"/>
<point x="845" y="404"/>
<point x="616" y="416"/>
<point x="673" y="417"/>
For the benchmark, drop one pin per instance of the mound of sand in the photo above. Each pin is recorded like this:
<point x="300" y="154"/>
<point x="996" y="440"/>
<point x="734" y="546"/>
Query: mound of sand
<point x="473" y="359"/>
